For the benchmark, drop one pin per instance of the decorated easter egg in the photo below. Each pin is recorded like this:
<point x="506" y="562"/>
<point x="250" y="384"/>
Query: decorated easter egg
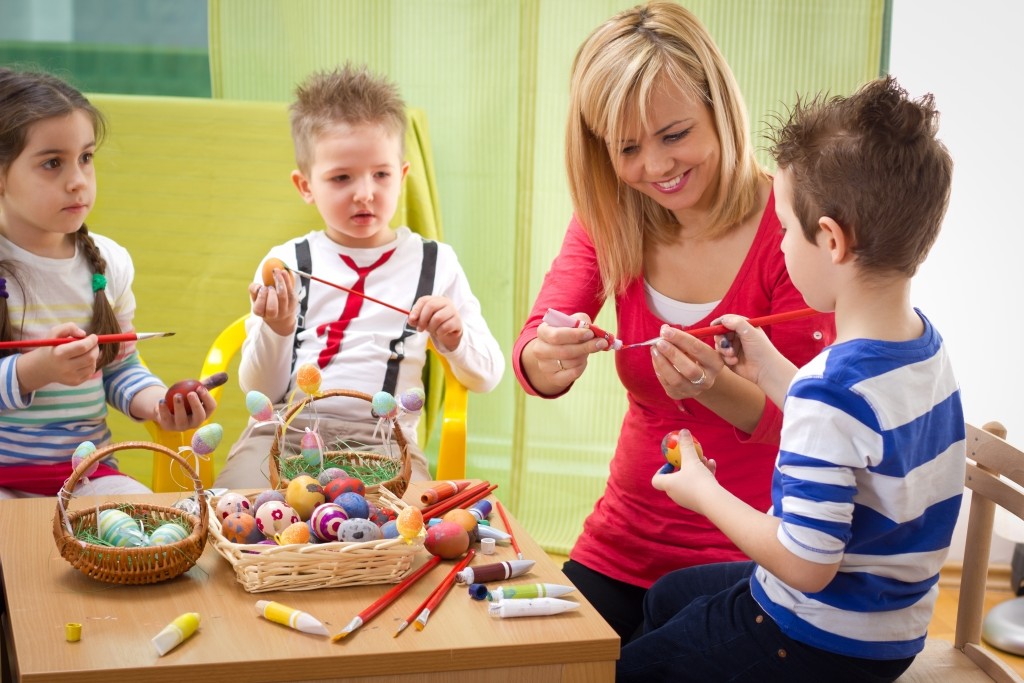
<point x="447" y="540"/>
<point x="326" y="519"/>
<point x="358" y="531"/>
<point x="168" y="532"/>
<point x="311" y="447"/>
<point x="119" y="529"/>
<point x="240" y="527"/>
<point x="389" y="529"/>
<point x="304" y="493"/>
<point x="331" y="473"/>
<point x="336" y="487"/>
<point x="295" y="533"/>
<point x="232" y="502"/>
<point x="84" y="450"/>
<point x="308" y="378"/>
<point x="207" y="438"/>
<point x="259" y="406"/>
<point x="267" y="272"/>
<point x="670" y="448"/>
<point x="265" y="497"/>
<point x="463" y="518"/>
<point x="412" y="400"/>
<point x="409" y="523"/>
<point x="274" y="516"/>
<point x="354" y="504"/>
<point x="377" y="514"/>
<point x="384" y="405"/>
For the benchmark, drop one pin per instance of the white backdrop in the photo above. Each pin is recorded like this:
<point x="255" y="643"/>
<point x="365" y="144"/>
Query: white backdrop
<point x="971" y="56"/>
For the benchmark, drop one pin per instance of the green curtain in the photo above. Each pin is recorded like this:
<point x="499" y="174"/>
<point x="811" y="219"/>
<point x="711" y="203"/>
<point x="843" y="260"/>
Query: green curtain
<point x="492" y="77"/>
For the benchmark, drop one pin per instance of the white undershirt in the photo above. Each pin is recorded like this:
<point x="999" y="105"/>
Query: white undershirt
<point x="675" y="312"/>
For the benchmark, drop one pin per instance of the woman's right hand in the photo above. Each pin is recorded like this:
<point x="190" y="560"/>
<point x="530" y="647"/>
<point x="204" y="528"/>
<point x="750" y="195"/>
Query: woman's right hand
<point x="558" y="356"/>
<point x="70" y="363"/>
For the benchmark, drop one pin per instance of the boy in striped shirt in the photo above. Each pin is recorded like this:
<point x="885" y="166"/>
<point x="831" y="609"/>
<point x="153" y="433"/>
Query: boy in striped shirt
<point x="869" y="476"/>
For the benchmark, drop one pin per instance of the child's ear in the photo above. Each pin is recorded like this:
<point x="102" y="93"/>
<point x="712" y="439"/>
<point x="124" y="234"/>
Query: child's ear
<point x="405" y="169"/>
<point x="836" y="240"/>
<point x="302" y="185"/>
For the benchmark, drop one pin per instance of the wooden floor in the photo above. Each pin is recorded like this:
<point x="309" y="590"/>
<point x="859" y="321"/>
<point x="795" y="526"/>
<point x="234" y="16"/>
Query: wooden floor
<point x="943" y="622"/>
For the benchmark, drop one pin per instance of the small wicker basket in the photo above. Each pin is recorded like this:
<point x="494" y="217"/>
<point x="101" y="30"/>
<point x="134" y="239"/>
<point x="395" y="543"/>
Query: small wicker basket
<point x="130" y="566"/>
<point x="306" y="566"/>
<point x="357" y="459"/>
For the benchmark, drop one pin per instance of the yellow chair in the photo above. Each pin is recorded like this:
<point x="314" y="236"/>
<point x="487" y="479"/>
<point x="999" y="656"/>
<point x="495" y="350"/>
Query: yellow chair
<point x="451" y="459"/>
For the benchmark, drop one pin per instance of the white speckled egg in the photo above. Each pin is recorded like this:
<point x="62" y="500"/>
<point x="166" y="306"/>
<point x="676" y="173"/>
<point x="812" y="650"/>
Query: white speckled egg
<point x="358" y="530"/>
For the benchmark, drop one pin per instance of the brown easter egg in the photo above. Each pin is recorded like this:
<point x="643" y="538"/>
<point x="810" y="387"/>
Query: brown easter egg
<point x="186" y="386"/>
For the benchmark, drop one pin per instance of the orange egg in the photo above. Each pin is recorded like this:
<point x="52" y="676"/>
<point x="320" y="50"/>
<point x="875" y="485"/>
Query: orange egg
<point x="293" y="533"/>
<point x="463" y="518"/>
<point x="272" y="264"/>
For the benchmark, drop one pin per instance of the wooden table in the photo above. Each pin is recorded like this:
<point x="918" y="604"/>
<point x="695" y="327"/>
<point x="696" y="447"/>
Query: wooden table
<point x="461" y="642"/>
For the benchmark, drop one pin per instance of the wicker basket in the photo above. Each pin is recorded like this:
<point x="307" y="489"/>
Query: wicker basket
<point x="130" y="566"/>
<point x="306" y="566"/>
<point x="396" y="484"/>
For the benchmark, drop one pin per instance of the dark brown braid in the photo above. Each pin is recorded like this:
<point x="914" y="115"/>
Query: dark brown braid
<point x="104" y="321"/>
<point x="6" y="327"/>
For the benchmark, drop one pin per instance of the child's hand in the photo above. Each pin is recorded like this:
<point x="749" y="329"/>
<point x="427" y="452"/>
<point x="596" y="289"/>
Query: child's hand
<point x="278" y="305"/>
<point x="438" y="316"/>
<point x="695" y="477"/>
<point x="71" y="363"/>
<point x="751" y="355"/>
<point x="149" y="404"/>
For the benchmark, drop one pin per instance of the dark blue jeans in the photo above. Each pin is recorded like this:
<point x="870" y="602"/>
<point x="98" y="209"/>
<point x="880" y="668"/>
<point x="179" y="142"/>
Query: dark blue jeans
<point x="702" y="624"/>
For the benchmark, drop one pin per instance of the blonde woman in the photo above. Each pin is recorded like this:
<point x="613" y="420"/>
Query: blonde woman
<point x="675" y="222"/>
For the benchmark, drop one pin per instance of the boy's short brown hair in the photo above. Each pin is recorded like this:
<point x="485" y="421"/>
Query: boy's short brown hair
<point x="872" y="163"/>
<point x="349" y="95"/>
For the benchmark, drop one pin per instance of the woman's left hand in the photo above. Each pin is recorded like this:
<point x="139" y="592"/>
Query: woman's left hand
<point x="685" y="366"/>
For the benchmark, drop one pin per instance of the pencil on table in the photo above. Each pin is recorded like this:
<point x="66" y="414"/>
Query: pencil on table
<point x="439" y="594"/>
<point x="508" y="528"/>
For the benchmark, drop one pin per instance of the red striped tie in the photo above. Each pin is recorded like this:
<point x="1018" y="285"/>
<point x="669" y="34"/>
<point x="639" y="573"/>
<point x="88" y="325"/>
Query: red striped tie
<point x="353" y="304"/>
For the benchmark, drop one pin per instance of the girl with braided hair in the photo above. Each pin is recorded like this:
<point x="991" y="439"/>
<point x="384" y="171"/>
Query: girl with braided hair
<point x="59" y="280"/>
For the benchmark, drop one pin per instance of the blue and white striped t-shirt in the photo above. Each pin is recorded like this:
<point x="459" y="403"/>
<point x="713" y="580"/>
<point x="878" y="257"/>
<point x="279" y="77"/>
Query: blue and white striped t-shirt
<point x="870" y="474"/>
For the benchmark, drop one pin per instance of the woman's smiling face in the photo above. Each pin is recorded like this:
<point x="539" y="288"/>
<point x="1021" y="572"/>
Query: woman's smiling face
<point x="674" y="156"/>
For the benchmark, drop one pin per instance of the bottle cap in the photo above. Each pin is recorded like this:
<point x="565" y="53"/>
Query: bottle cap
<point x="72" y="632"/>
<point x="487" y="546"/>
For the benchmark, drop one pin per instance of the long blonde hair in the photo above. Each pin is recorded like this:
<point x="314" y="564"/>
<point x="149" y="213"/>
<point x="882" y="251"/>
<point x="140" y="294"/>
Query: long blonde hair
<point x="613" y="77"/>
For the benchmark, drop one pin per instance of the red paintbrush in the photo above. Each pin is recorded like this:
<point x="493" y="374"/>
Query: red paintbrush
<point x="722" y="329"/>
<point x="386" y="599"/>
<point x="103" y="339"/>
<point x="508" y="529"/>
<point x="350" y="291"/>
<point x="439" y="593"/>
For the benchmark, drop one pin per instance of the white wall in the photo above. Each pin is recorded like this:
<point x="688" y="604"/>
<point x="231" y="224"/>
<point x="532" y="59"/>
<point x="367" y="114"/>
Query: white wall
<point x="971" y="56"/>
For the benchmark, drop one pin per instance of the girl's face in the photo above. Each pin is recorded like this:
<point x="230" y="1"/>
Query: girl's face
<point x="50" y="188"/>
<point x="355" y="179"/>
<point x="674" y="157"/>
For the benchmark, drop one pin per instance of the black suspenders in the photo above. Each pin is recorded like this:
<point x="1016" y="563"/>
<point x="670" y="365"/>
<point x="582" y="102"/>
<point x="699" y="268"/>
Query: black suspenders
<point x="428" y="270"/>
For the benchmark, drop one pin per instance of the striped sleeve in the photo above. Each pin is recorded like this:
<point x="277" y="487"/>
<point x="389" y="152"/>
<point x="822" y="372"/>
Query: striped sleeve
<point x="124" y="378"/>
<point x="11" y="397"/>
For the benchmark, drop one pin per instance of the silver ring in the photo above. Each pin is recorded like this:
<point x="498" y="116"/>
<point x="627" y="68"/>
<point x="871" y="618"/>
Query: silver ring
<point x="700" y="380"/>
<point x="560" y="366"/>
